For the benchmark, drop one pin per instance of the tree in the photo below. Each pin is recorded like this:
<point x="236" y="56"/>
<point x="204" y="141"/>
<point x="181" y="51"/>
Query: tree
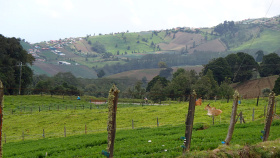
<point x="220" y="69"/>
<point x="206" y="86"/>
<point x="242" y="66"/>
<point x="162" y="64"/>
<point x="259" y="56"/>
<point x="276" y="88"/>
<point x="138" y="92"/>
<point x="163" y="82"/>
<point x="270" y="65"/>
<point x="180" y="85"/>
<point x="100" y="74"/>
<point x="12" y="55"/>
<point x="225" y="90"/>
<point x="98" y="47"/>
<point x="157" y="92"/>
<point x="166" y="73"/>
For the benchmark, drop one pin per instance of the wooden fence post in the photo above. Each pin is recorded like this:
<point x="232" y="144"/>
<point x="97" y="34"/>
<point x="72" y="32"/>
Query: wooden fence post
<point x="111" y="127"/>
<point x="241" y="117"/>
<point x="258" y="100"/>
<point x="232" y="119"/>
<point x="1" y="115"/>
<point x="64" y="131"/>
<point x="157" y="122"/>
<point x="264" y="111"/>
<point x="22" y="135"/>
<point x="132" y="124"/>
<point x="85" y="128"/>
<point x="253" y="115"/>
<point x="189" y="122"/>
<point x="43" y="133"/>
<point x="39" y="108"/>
<point x="269" y="116"/>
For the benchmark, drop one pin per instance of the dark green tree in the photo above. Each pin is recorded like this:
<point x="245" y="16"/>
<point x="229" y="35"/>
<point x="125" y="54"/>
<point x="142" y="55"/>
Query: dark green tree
<point x="98" y="47"/>
<point x="12" y="74"/>
<point x="259" y="56"/>
<point x="162" y="81"/>
<point x="270" y="65"/>
<point x="100" y="74"/>
<point x="166" y="73"/>
<point x="276" y="88"/>
<point x="220" y="69"/>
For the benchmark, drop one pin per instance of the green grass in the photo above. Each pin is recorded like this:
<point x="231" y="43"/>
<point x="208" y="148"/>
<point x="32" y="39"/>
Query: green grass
<point x="165" y="142"/>
<point x="110" y="42"/>
<point x="53" y="115"/>
<point x="269" y="41"/>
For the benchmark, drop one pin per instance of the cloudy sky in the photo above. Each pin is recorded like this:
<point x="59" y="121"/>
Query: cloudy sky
<point x="43" y="20"/>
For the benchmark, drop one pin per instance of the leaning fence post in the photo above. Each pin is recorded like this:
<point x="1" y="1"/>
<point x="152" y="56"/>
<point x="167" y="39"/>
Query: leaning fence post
<point x="1" y="115"/>
<point x="111" y="128"/>
<point x="269" y="116"/>
<point x="189" y="122"/>
<point x="232" y="119"/>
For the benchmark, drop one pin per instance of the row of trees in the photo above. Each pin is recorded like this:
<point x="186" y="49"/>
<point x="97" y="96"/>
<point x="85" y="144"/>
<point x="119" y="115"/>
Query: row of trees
<point x="14" y="71"/>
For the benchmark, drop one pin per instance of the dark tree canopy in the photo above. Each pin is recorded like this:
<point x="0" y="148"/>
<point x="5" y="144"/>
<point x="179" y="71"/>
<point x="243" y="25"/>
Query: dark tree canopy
<point x="270" y="65"/>
<point x="98" y="47"/>
<point x="260" y="55"/>
<point x="276" y="88"/>
<point x="11" y="55"/>
<point x="220" y="69"/>
<point x="162" y="81"/>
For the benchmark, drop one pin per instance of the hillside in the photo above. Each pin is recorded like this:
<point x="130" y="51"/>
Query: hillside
<point x="99" y="51"/>
<point x="253" y="88"/>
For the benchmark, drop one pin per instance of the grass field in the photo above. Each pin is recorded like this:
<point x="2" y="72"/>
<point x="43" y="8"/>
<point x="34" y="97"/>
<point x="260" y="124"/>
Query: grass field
<point x="164" y="140"/>
<point x="268" y="41"/>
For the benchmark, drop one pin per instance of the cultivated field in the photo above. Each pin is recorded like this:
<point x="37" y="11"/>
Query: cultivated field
<point x="75" y="128"/>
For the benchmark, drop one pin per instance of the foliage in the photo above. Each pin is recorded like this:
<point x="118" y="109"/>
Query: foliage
<point x="98" y="47"/>
<point x="162" y="82"/>
<point x="166" y="73"/>
<point x="100" y="74"/>
<point x="220" y="68"/>
<point x="11" y="56"/>
<point x="270" y="65"/>
<point x="265" y="92"/>
<point x="260" y="55"/>
<point x="242" y="65"/>
<point x="225" y="90"/>
<point x="276" y="88"/>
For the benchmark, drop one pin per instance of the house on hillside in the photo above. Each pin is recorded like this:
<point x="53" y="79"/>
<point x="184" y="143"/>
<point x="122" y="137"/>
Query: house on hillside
<point x="63" y="63"/>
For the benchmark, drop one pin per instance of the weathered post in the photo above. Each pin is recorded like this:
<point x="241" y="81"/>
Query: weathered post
<point x="157" y="122"/>
<point x="253" y="115"/>
<point x="258" y="100"/>
<point x="64" y="131"/>
<point x="1" y="115"/>
<point x="85" y="128"/>
<point x="111" y="127"/>
<point x="189" y="122"/>
<point x="132" y="124"/>
<point x="43" y="133"/>
<point x="22" y="135"/>
<point x="232" y="119"/>
<point x="241" y="117"/>
<point x="264" y="111"/>
<point x="269" y="116"/>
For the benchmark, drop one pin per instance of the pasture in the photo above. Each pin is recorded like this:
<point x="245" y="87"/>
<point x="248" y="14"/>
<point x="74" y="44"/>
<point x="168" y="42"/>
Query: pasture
<point x="57" y="113"/>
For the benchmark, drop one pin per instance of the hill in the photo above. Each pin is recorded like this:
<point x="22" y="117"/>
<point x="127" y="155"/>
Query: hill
<point x="99" y="51"/>
<point x="150" y="73"/>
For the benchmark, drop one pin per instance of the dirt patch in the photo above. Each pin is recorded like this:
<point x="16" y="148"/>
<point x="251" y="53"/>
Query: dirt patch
<point x="253" y="88"/>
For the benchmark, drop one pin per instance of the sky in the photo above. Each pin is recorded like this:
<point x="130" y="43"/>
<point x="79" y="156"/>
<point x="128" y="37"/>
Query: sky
<point x="44" y="20"/>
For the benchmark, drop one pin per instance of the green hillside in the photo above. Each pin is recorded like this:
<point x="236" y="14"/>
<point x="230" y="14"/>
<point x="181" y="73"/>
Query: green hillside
<point x="202" y="44"/>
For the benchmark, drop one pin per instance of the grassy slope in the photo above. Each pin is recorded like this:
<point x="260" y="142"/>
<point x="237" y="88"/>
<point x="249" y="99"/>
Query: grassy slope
<point x="110" y="42"/>
<point x="268" y="41"/>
